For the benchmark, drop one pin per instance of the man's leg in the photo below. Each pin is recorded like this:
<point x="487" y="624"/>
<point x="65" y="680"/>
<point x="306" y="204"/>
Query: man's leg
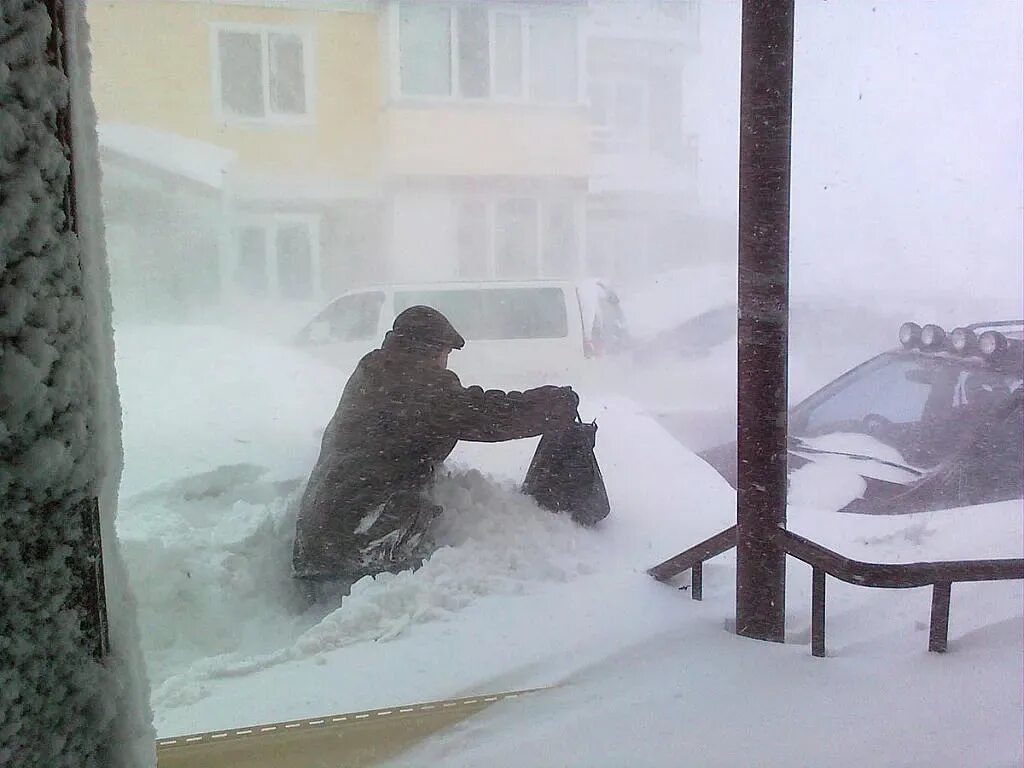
<point x="406" y="543"/>
<point x="324" y="591"/>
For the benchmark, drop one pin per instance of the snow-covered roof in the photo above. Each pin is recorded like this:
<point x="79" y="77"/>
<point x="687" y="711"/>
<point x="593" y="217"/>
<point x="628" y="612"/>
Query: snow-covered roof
<point x="191" y="159"/>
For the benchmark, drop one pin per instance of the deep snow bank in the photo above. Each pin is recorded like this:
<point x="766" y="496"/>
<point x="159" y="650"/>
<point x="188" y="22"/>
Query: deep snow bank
<point x="212" y="562"/>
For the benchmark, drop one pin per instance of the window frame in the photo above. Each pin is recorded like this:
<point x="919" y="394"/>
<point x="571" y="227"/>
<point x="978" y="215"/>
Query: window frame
<point x="269" y="118"/>
<point x="269" y="225"/>
<point x="454" y="97"/>
<point x="607" y="135"/>
<point x="542" y="202"/>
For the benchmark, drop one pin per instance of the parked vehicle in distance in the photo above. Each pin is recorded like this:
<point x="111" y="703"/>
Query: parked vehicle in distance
<point x="933" y="424"/>
<point x="517" y="333"/>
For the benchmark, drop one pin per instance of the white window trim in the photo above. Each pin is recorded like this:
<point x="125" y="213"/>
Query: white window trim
<point x="269" y="225"/>
<point x="269" y="119"/>
<point x="453" y="97"/>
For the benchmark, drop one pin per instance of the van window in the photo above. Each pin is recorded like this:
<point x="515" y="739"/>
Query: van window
<point x="354" y="317"/>
<point x="496" y="313"/>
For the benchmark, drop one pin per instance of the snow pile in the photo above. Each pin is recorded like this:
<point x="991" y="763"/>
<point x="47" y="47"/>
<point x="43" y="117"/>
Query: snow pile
<point x="493" y="541"/>
<point x="198" y="397"/>
<point x="214" y="570"/>
<point x="690" y="688"/>
<point x="210" y="557"/>
<point x="676" y="296"/>
<point x="196" y="160"/>
<point x="839" y="462"/>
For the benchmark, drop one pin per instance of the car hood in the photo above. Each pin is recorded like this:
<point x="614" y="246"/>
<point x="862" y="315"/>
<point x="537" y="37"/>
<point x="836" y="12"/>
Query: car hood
<point x="832" y="472"/>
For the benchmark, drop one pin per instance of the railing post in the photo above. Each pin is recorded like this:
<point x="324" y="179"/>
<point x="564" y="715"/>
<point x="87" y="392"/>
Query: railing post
<point x="938" y="636"/>
<point x="818" y="612"/>
<point x="697" y="581"/>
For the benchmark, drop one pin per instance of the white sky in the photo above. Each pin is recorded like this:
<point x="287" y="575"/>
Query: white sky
<point x="907" y="141"/>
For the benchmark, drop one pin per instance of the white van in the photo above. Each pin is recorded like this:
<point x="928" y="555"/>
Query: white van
<point x="518" y="334"/>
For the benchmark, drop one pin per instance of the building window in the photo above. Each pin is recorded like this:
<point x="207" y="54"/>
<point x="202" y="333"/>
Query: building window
<point x="515" y="238"/>
<point x="263" y="74"/>
<point x="518" y="237"/>
<point x="426" y="68"/>
<point x="619" y="112"/>
<point x="553" y="59"/>
<point x="508" y="55"/>
<point x="251" y="266"/>
<point x="473" y="233"/>
<point x="476" y="52"/>
<point x="293" y="246"/>
<point x="560" y="243"/>
<point x="279" y="257"/>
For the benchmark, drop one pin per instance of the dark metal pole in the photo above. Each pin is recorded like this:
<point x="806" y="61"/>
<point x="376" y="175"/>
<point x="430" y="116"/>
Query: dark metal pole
<point x="818" y="612"/>
<point x="938" y="635"/>
<point x="766" y="92"/>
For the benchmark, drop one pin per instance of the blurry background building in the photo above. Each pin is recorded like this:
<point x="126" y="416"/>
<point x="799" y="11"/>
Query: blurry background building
<point x="283" y="152"/>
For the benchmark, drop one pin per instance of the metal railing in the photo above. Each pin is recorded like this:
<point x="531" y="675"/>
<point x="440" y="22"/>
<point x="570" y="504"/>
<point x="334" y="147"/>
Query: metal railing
<point x="940" y="575"/>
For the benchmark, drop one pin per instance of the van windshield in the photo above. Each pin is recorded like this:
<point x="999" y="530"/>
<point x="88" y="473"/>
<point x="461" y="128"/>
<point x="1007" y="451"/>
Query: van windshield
<point x="496" y="313"/>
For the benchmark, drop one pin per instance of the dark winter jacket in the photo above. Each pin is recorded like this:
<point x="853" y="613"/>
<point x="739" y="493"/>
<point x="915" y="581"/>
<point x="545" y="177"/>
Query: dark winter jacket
<point x="399" y="417"/>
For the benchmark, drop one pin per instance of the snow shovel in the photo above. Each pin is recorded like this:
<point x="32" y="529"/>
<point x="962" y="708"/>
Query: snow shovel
<point x="564" y="475"/>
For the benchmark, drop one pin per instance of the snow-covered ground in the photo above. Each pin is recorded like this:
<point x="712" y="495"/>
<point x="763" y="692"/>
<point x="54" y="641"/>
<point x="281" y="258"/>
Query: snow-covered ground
<point x="220" y="430"/>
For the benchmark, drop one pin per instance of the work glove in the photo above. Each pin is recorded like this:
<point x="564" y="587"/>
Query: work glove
<point x="564" y="404"/>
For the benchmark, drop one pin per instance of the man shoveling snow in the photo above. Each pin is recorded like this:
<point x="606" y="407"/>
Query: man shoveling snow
<point x="364" y="510"/>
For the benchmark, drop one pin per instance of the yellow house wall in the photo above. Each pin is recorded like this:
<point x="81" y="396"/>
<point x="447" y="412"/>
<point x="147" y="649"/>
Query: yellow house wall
<point x="153" y="66"/>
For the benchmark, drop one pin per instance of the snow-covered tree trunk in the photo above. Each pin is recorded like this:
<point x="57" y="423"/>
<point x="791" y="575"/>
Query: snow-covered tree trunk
<point x="68" y="697"/>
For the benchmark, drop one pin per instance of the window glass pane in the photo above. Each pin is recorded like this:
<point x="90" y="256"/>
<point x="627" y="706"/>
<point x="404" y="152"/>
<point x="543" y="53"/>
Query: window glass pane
<point x="287" y="75"/>
<point x="508" y="55"/>
<point x="354" y="318"/>
<point x="887" y="391"/>
<point x="294" y="261"/>
<point x="241" y="73"/>
<point x="496" y="313"/>
<point x="527" y="313"/>
<point x="629" y="110"/>
<point x="251" y="272"/>
<point x="600" y="116"/>
<point x="560" y="241"/>
<point x="553" y="59"/>
<point x="515" y="237"/>
<point x="923" y="407"/>
<point x="463" y="307"/>
<point x="474" y="52"/>
<point x="473" y="239"/>
<point x="425" y="51"/>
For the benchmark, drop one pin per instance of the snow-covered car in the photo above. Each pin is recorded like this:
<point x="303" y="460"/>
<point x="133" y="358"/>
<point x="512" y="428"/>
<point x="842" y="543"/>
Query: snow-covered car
<point x="933" y="424"/>
<point x="519" y="332"/>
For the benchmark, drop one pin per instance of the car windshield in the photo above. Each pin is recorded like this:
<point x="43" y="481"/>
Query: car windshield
<point x="496" y="313"/>
<point x="921" y="405"/>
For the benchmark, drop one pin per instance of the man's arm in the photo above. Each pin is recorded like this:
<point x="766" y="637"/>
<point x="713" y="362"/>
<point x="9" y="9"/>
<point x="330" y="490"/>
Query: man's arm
<point x="470" y="413"/>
